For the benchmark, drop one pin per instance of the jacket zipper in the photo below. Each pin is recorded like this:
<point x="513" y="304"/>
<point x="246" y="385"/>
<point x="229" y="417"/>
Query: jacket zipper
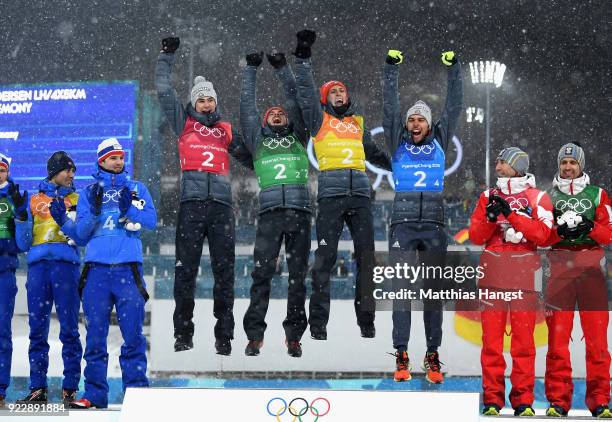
<point x="421" y="207"/>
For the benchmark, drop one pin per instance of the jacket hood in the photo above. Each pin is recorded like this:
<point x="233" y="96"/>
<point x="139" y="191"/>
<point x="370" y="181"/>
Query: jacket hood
<point x="53" y="190"/>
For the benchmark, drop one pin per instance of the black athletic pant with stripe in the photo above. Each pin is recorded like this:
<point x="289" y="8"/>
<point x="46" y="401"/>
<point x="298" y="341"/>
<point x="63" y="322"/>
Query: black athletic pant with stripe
<point x="356" y="212"/>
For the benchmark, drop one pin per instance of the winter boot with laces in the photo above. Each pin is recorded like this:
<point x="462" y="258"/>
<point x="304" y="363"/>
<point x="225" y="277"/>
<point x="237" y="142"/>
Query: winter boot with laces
<point x="402" y="367"/>
<point x="431" y="366"/>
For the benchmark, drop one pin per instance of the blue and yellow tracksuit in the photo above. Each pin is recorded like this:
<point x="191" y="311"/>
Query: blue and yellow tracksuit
<point x="53" y="276"/>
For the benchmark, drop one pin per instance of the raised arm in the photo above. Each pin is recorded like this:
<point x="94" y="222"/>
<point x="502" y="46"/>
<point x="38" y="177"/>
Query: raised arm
<point x="250" y="121"/>
<point x="308" y="95"/>
<point x="239" y="151"/>
<point x="285" y="76"/>
<point x="374" y="155"/>
<point x="445" y="128"/>
<point x="392" y="119"/>
<point x="168" y="98"/>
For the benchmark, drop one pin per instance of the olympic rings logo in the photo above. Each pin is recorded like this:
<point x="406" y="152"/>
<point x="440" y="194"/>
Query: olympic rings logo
<point x="298" y="408"/>
<point x="283" y="142"/>
<point x="42" y="208"/>
<point x="577" y="205"/>
<point x="343" y="127"/>
<point x="420" y="149"/>
<point x="206" y="131"/>
<point x="386" y="174"/>
<point x="4" y="207"/>
<point x="517" y="203"/>
<point x="110" y="195"/>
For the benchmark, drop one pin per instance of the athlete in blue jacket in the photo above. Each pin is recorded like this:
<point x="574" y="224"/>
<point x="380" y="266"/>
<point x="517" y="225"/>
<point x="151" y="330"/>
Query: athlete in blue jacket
<point x="110" y="214"/>
<point x="418" y="147"/>
<point x="48" y="234"/>
<point x="8" y="265"/>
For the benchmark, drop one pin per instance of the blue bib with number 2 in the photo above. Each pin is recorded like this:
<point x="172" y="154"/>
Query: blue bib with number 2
<point x="418" y="168"/>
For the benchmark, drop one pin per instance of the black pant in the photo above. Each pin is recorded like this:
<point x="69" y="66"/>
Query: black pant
<point x="294" y="227"/>
<point x="430" y="239"/>
<point x="196" y="221"/>
<point x="356" y="211"/>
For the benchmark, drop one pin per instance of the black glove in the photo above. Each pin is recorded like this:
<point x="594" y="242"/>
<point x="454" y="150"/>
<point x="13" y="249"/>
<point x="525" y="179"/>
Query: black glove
<point x="125" y="200"/>
<point x="277" y="60"/>
<point x="170" y="44"/>
<point x="254" y="59"/>
<point x="565" y="232"/>
<point x="20" y="201"/>
<point x="584" y="227"/>
<point x="57" y="208"/>
<point x="94" y="196"/>
<point x="504" y="206"/>
<point x="305" y="40"/>
<point x="493" y="210"/>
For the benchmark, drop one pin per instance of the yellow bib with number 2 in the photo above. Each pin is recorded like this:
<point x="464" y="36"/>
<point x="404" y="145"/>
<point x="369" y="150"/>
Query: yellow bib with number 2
<point x="339" y="143"/>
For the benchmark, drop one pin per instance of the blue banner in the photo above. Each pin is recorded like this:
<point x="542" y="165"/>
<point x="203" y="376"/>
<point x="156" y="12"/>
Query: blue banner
<point x="36" y="120"/>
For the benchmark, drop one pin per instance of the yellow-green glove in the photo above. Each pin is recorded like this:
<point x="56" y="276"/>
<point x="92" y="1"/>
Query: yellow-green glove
<point x="394" y="57"/>
<point x="448" y="58"/>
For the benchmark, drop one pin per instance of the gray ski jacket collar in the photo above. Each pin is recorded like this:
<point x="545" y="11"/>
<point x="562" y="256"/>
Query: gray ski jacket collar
<point x="352" y="109"/>
<point x="207" y="119"/>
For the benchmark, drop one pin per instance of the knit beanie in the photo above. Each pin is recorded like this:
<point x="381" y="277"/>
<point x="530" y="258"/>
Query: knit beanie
<point x="59" y="161"/>
<point x="108" y="147"/>
<point x="572" y="150"/>
<point x="422" y="109"/>
<point x="516" y="158"/>
<point x="327" y="86"/>
<point x="5" y="161"/>
<point x="202" y="88"/>
<point x="268" y="111"/>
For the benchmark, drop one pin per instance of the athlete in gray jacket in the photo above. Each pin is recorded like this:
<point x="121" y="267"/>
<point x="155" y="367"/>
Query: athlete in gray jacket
<point x="418" y="148"/>
<point x="278" y="147"/>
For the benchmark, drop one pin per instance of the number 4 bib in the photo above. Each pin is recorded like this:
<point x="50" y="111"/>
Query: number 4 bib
<point x="419" y="168"/>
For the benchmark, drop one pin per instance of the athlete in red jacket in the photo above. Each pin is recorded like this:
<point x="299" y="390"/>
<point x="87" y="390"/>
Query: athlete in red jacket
<point x="511" y="220"/>
<point x="584" y="225"/>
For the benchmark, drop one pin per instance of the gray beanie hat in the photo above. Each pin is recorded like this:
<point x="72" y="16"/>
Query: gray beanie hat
<point x="516" y="158"/>
<point x="571" y="150"/>
<point x="422" y="109"/>
<point x="202" y="88"/>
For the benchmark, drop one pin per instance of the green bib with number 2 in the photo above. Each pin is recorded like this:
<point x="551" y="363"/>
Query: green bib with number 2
<point x="281" y="161"/>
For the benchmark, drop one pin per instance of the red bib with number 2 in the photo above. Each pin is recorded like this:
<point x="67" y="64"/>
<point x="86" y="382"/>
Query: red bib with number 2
<point x="203" y="148"/>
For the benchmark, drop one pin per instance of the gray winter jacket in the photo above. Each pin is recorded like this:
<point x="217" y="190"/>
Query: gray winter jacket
<point x="419" y="206"/>
<point x="196" y="185"/>
<point x="278" y="196"/>
<point x="341" y="182"/>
